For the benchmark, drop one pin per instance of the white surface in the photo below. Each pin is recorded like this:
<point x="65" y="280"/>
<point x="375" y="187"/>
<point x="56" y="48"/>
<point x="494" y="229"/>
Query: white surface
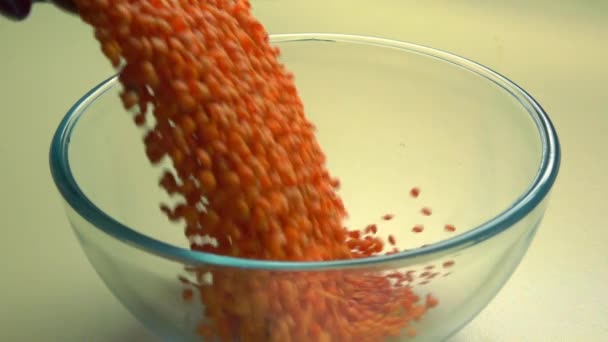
<point x="558" y="53"/>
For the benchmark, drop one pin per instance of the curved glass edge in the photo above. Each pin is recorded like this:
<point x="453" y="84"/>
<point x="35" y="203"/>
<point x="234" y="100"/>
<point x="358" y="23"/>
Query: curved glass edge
<point x="537" y="191"/>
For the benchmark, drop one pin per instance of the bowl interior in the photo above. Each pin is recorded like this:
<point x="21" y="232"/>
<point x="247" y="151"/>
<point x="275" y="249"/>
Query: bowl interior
<point x="388" y="118"/>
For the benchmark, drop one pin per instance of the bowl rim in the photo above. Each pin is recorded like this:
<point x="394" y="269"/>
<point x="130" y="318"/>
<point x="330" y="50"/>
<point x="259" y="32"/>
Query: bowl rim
<point x="526" y="203"/>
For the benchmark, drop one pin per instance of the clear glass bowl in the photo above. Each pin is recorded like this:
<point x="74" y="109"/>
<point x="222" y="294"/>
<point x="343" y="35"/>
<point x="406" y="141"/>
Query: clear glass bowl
<point x="391" y="116"/>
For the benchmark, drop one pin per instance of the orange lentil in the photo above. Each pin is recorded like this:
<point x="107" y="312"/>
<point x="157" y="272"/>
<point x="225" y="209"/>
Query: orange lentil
<point x="418" y="229"/>
<point x="448" y="264"/>
<point x="207" y="182"/>
<point x="449" y="228"/>
<point x="354" y="234"/>
<point x="372" y="228"/>
<point x="426" y="211"/>
<point x="228" y="116"/>
<point x="391" y="240"/>
<point x="388" y="217"/>
<point x="415" y="192"/>
<point x="431" y="301"/>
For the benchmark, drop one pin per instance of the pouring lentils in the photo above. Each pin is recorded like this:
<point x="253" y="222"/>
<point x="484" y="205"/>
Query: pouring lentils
<point x="214" y="99"/>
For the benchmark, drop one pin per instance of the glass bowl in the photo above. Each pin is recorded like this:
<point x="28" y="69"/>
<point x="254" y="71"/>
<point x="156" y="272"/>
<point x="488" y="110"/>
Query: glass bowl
<point x="480" y="153"/>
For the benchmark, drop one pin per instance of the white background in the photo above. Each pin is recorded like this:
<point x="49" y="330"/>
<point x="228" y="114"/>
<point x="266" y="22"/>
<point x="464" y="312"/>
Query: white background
<point x="559" y="53"/>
